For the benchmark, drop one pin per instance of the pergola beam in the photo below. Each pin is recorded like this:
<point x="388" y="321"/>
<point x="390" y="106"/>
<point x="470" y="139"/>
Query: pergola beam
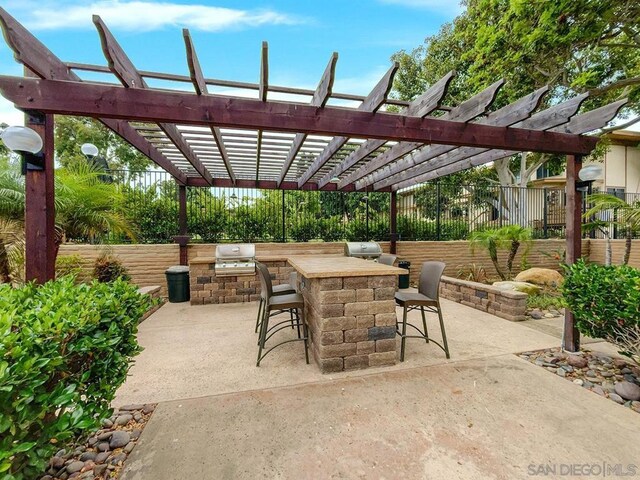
<point x="420" y="107"/>
<point x="123" y="68"/>
<point x="200" y="85"/>
<point x="467" y="110"/>
<point x="52" y="96"/>
<point x="372" y="103"/>
<point x="509" y="115"/>
<point x="262" y="96"/>
<point x="29" y="51"/>
<point x="319" y="99"/>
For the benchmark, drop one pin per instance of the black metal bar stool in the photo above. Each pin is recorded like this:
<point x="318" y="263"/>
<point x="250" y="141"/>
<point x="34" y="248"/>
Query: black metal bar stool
<point x="282" y="289"/>
<point x="427" y="298"/>
<point x="274" y="305"/>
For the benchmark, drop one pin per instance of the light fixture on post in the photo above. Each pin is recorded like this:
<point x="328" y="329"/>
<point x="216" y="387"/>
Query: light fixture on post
<point x="89" y="150"/>
<point x="27" y="143"/>
<point x="587" y="175"/>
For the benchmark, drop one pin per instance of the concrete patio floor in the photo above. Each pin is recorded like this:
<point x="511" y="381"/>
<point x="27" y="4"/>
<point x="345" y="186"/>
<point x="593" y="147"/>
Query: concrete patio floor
<point x="483" y="414"/>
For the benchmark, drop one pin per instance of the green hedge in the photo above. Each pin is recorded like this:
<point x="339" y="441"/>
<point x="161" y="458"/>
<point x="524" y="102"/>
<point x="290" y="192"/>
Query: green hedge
<point x="606" y="303"/>
<point x="64" y="351"/>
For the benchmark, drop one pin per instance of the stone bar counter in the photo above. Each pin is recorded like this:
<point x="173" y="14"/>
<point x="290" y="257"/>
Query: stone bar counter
<point x="350" y="309"/>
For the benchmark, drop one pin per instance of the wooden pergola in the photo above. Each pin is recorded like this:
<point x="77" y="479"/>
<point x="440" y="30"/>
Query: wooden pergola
<point x="206" y="139"/>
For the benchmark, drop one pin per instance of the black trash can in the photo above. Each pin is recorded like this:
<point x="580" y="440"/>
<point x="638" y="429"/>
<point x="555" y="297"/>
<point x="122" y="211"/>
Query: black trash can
<point x="403" y="280"/>
<point x="178" y="283"/>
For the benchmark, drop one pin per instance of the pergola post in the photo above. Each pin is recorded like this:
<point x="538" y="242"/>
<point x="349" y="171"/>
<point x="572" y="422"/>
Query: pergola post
<point x="40" y="245"/>
<point x="571" y="337"/>
<point x="393" y="221"/>
<point x="182" y="239"/>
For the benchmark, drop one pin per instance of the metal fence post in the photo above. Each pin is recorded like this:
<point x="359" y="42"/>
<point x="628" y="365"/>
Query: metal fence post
<point x="284" y="219"/>
<point x="545" y="221"/>
<point x="438" y="211"/>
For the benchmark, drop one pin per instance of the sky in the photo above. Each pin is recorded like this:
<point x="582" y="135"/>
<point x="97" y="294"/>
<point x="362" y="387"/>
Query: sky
<point x="228" y="36"/>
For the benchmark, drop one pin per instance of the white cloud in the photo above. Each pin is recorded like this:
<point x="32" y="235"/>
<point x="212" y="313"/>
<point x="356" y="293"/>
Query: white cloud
<point x="9" y="114"/>
<point x="148" y="15"/>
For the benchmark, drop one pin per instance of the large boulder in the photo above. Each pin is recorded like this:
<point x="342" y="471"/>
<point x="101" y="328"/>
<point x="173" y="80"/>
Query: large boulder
<point x="540" y="276"/>
<point x="524" y="287"/>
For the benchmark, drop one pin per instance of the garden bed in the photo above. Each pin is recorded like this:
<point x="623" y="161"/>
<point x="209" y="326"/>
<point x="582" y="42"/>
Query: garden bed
<point x="507" y="304"/>
<point x="612" y="378"/>
<point x="103" y="454"/>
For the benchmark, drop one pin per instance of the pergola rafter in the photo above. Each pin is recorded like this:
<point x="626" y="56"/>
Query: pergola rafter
<point x="372" y="103"/>
<point x="200" y="86"/>
<point x="420" y="107"/>
<point x="468" y="110"/>
<point x="123" y="68"/>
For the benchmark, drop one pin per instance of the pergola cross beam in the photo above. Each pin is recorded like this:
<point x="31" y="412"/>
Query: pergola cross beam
<point x="122" y="67"/>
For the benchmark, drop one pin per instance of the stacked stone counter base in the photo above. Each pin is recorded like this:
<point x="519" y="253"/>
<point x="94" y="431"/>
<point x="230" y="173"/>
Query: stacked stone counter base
<point x="352" y="321"/>
<point x="507" y="304"/>
<point x="207" y="288"/>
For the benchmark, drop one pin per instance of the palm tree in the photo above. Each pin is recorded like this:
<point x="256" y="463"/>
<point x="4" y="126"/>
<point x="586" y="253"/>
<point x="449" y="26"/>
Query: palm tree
<point x="489" y="240"/>
<point x="626" y="215"/>
<point x="513" y="236"/>
<point x="86" y="208"/>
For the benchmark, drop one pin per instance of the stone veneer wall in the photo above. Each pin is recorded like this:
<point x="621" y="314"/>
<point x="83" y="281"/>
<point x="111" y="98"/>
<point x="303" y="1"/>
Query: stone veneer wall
<point x="352" y="321"/>
<point x="503" y="303"/>
<point x="206" y="288"/>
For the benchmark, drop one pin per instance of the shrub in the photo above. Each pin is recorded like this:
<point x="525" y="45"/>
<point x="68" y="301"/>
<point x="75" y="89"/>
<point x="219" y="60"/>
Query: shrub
<point x="68" y="265"/>
<point x="108" y="268"/>
<point x="606" y="303"/>
<point x="64" y="351"/>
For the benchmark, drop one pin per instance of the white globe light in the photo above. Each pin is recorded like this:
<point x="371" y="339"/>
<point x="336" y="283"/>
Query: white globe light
<point x="89" y="149"/>
<point x="590" y="172"/>
<point x="21" y="140"/>
<point x="335" y="179"/>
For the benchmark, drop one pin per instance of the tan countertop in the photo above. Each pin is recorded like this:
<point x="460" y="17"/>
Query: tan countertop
<point x="326" y="266"/>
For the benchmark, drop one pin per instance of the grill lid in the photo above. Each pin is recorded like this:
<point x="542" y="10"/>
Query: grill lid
<point x="362" y="249"/>
<point x="236" y="251"/>
<point x="235" y="259"/>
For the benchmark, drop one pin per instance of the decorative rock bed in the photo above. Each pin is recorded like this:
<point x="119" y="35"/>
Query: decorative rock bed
<point x="613" y="378"/>
<point x="104" y="453"/>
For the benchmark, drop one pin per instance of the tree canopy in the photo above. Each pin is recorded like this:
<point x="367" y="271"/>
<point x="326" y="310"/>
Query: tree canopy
<point x="573" y="46"/>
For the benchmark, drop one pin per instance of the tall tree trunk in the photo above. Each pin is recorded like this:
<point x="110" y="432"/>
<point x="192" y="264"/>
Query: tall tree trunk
<point x="627" y="246"/>
<point x="493" y="254"/>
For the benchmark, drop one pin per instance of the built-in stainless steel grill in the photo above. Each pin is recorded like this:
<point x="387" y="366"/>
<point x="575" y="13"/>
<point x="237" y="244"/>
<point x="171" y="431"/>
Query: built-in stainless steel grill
<point x="368" y="250"/>
<point x="235" y="260"/>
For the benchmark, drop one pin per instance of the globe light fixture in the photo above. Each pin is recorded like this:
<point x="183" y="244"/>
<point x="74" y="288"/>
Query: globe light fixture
<point x="27" y="143"/>
<point x="21" y="139"/>
<point x="335" y="179"/>
<point x="89" y="150"/>
<point x="591" y="172"/>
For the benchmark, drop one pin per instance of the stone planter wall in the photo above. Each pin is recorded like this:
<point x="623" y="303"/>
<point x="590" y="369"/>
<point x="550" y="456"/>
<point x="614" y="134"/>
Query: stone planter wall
<point x="502" y="303"/>
<point x="206" y="288"/>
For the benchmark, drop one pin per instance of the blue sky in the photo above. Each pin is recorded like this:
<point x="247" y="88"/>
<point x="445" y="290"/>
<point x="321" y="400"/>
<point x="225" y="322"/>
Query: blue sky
<point x="228" y="35"/>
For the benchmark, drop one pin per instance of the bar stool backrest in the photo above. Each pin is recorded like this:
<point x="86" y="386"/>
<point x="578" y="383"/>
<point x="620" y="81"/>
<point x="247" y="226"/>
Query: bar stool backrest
<point x="430" y="275"/>
<point x="387" y="259"/>
<point x="266" y="290"/>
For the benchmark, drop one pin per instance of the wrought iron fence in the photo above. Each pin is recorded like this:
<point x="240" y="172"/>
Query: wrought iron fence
<point x="438" y="211"/>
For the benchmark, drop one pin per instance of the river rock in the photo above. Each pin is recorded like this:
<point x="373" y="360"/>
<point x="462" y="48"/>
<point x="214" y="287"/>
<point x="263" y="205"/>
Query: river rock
<point x="119" y="439"/>
<point x="577" y="361"/>
<point x="74" y="467"/>
<point x="88" y="456"/>
<point x="616" y="398"/>
<point x="536" y="314"/>
<point x="540" y="276"/>
<point x="628" y="390"/>
<point x="124" y="419"/>
<point x="103" y="446"/>
<point x="101" y="457"/>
